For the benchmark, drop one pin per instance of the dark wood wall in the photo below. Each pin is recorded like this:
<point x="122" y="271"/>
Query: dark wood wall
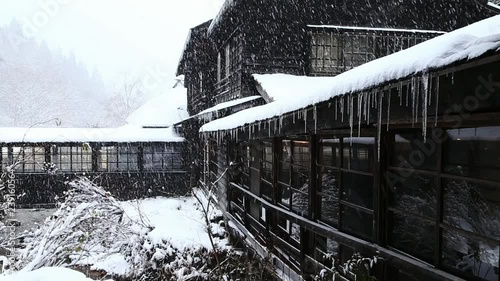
<point x="199" y="58"/>
<point x="274" y="39"/>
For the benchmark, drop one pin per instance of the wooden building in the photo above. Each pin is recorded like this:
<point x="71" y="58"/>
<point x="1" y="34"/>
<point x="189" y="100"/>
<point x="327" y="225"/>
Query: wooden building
<point x="394" y="158"/>
<point x="130" y="163"/>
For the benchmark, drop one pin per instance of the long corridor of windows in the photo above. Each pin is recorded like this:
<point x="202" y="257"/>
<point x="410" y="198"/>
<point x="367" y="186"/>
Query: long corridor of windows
<point x="85" y="157"/>
<point x="435" y="199"/>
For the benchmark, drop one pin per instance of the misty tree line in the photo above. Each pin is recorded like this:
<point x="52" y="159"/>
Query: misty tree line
<point x="39" y="84"/>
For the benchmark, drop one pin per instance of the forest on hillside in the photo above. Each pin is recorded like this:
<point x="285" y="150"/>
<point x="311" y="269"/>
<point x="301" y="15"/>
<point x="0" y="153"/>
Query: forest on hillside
<point x="48" y="88"/>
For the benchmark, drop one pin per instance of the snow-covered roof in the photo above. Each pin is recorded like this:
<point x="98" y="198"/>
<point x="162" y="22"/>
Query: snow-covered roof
<point x="465" y="43"/>
<point x="124" y="134"/>
<point x="163" y="110"/>
<point x="375" y="29"/>
<point x="284" y="87"/>
<point x="228" y="104"/>
<point x="494" y="4"/>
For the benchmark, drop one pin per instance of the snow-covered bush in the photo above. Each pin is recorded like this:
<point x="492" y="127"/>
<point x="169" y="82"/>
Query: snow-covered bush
<point x="86" y="227"/>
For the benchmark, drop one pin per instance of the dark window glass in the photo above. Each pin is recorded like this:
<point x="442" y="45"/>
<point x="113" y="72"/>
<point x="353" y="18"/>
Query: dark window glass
<point x="359" y="154"/>
<point x="329" y="197"/>
<point x="285" y="172"/>
<point x="411" y="151"/>
<point x="473" y="152"/>
<point x="267" y="162"/>
<point x="415" y="194"/>
<point x="266" y="189"/>
<point x="329" y="152"/>
<point x="358" y="189"/>
<point x="300" y="179"/>
<point x="357" y="222"/>
<point x="301" y="156"/>
<point x="472" y="207"/>
<point x="474" y="258"/>
<point x="166" y="157"/>
<point x="413" y="236"/>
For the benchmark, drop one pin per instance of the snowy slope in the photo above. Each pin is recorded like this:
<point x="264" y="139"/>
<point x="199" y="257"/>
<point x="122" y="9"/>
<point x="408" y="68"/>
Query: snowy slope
<point x="466" y="43"/>
<point x="163" y="110"/>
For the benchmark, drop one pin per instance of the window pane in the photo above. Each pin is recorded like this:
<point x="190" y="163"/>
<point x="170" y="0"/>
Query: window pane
<point x="415" y="194"/>
<point x="410" y="151"/>
<point x="5" y="158"/>
<point x="472" y="207"/>
<point x="358" y="189"/>
<point x="473" y="258"/>
<point x="473" y="152"/>
<point x="267" y="162"/>
<point x="61" y="157"/>
<point x="329" y="192"/>
<point x="359" y="154"/>
<point x="413" y="236"/>
<point x="284" y="194"/>
<point x="301" y="156"/>
<point x="329" y="152"/>
<point x="286" y="158"/>
<point x="357" y="222"/>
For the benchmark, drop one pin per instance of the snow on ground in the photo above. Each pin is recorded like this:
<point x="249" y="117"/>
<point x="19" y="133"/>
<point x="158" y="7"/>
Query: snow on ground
<point x="176" y="220"/>
<point x="176" y="223"/>
<point x="465" y="43"/>
<point x="47" y="274"/>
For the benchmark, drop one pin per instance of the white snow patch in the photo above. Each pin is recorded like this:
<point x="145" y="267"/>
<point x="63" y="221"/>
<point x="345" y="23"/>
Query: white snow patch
<point x="228" y="104"/>
<point x="113" y="264"/>
<point x="175" y="220"/>
<point x="465" y="43"/>
<point x="47" y="274"/>
<point x="127" y="133"/>
<point x="496" y="6"/>
<point x="163" y="110"/>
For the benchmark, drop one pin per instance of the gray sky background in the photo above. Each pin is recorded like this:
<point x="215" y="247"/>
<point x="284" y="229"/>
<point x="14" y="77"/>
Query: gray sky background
<point x="135" y="38"/>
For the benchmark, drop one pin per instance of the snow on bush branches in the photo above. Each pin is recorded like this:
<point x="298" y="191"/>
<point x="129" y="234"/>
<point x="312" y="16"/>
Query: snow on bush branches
<point x="88" y="225"/>
<point x="93" y="230"/>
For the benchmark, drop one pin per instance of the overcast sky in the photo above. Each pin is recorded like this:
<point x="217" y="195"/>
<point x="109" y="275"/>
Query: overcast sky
<point x="134" y="37"/>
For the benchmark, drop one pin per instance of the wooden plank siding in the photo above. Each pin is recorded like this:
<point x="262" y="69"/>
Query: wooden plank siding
<point x="455" y="94"/>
